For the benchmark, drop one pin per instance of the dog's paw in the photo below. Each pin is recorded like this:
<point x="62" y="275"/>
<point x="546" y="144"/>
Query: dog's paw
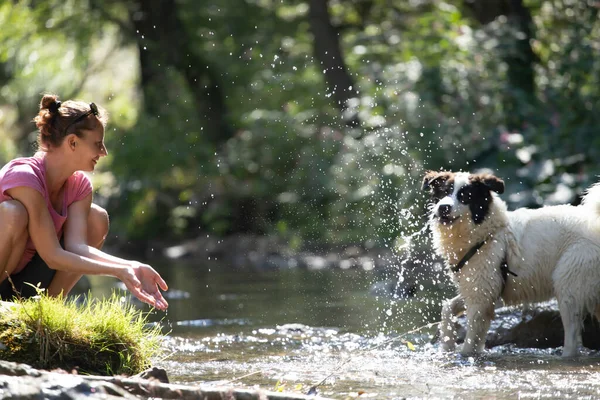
<point x="468" y="350"/>
<point x="570" y="353"/>
<point x="448" y="346"/>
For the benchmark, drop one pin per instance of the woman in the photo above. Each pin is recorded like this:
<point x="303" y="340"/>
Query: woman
<point x="51" y="231"/>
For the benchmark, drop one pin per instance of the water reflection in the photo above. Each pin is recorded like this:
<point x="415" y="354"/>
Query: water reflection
<point x="206" y="299"/>
<point x="299" y="327"/>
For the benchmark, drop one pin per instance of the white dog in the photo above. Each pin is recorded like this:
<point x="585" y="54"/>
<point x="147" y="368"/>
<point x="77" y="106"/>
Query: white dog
<point x="522" y="256"/>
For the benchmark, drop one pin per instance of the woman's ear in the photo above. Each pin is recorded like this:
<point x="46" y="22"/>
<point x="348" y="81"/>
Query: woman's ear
<point x="72" y="141"/>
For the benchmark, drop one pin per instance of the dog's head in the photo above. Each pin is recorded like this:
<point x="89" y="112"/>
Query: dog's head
<point x="458" y="195"/>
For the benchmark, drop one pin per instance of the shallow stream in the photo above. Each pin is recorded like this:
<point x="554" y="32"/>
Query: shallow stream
<point x="294" y="329"/>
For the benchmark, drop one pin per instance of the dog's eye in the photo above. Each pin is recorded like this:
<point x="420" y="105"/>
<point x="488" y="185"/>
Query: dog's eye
<point x="464" y="196"/>
<point x="439" y="193"/>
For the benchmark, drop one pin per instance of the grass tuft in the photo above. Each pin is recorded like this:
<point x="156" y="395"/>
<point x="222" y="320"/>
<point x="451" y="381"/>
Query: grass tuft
<point x="101" y="337"/>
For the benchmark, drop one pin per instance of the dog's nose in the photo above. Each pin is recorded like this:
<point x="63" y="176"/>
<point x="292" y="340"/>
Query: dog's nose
<point x="444" y="210"/>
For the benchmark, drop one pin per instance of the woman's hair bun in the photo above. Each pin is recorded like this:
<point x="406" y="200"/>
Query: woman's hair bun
<point x="50" y="102"/>
<point x="45" y="119"/>
<point x="53" y="107"/>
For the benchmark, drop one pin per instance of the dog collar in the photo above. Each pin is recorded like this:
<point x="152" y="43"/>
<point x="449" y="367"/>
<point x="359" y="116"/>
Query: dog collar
<point x="504" y="270"/>
<point x="467" y="256"/>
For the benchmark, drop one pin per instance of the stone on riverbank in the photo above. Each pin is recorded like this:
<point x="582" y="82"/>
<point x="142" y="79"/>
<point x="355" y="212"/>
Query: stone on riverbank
<point x="272" y="253"/>
<point x="21" y="381"/>
<point x="538" y="327"/>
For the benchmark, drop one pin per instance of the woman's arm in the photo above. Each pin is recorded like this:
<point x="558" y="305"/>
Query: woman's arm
<point x="137" y="278"/>
<point x="76" y="230"/>
<point x="76" y="241"/>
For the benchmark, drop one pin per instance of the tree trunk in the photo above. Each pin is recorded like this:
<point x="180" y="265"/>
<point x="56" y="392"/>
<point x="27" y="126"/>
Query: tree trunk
<point x="328" y="52"/>
<point x="163" y="45"/>
<point x="520" y="63"/>
<point x="520" y="57"/>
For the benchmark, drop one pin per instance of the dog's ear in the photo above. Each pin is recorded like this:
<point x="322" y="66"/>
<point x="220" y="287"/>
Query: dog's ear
<point x="492" y="182"/>
<point x="432" y="179"/>
<point x="427" y="180"/>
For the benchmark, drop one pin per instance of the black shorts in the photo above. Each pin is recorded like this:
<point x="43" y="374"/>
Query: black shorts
<point x="36" y="271"/>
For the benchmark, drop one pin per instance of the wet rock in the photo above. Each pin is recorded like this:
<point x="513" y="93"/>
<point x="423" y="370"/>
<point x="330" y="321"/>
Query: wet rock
<point x="221" y="248"/>
<point x="293" y="328"/>
<point x="271" y="253"/>
<point x="20" y="381"/>
<point x="539" y="327"/>
<point x="542" y="328"/>
<point x="38" y="385"/>
<point x="14" y="369"/>
<point x="155" y="373"/>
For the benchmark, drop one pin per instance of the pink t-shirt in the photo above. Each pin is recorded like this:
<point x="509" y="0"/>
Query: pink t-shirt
<point x="31" y="172"/>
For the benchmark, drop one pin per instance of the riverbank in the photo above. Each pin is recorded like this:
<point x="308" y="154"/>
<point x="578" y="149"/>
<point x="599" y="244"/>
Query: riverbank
<point x="21" y="381"/>
<point x="258" y="252"/>
<point x="105" y="336"/>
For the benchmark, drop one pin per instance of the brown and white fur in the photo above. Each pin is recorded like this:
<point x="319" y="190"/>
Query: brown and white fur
<point x="554" y="251"/>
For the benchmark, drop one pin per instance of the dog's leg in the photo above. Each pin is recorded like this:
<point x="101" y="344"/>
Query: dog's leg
<point x="479" y="317"/>
<point x="572" y="323"/>
<point x="450" y="308"/>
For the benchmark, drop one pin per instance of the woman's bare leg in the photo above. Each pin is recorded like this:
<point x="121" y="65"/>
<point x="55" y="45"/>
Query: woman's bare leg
<point x="98" y="224"/>
<point x="13" y="223"/>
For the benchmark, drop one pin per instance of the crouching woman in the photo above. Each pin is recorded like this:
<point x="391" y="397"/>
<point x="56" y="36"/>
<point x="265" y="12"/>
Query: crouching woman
<point x="51" y="232"/>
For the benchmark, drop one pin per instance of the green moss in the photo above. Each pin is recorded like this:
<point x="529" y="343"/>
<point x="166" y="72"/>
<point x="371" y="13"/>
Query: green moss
<point x="103" y="337"/>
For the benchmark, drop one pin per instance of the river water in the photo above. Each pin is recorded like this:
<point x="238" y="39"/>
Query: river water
<point x="294" y="329"/>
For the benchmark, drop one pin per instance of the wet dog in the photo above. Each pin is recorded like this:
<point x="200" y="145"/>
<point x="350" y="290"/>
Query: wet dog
<point x="523" y="256"/>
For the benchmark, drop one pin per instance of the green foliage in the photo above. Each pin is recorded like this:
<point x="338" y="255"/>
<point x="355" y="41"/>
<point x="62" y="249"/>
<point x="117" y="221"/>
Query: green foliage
<point x="103" y="337"/>
<point x="438" y="89"/>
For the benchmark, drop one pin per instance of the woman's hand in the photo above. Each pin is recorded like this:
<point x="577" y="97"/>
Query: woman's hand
<point x="144" y="283"/>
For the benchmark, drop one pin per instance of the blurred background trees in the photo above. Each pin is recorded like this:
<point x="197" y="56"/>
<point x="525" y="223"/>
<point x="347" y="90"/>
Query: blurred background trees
<point x="311" y="120"/>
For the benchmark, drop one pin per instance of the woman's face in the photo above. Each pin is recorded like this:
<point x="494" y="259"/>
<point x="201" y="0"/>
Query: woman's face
<point x="89" y="148"/>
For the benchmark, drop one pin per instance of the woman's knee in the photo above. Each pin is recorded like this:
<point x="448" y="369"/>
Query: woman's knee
<point x="98" y="224"/>
<point x="13" y="217"/>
